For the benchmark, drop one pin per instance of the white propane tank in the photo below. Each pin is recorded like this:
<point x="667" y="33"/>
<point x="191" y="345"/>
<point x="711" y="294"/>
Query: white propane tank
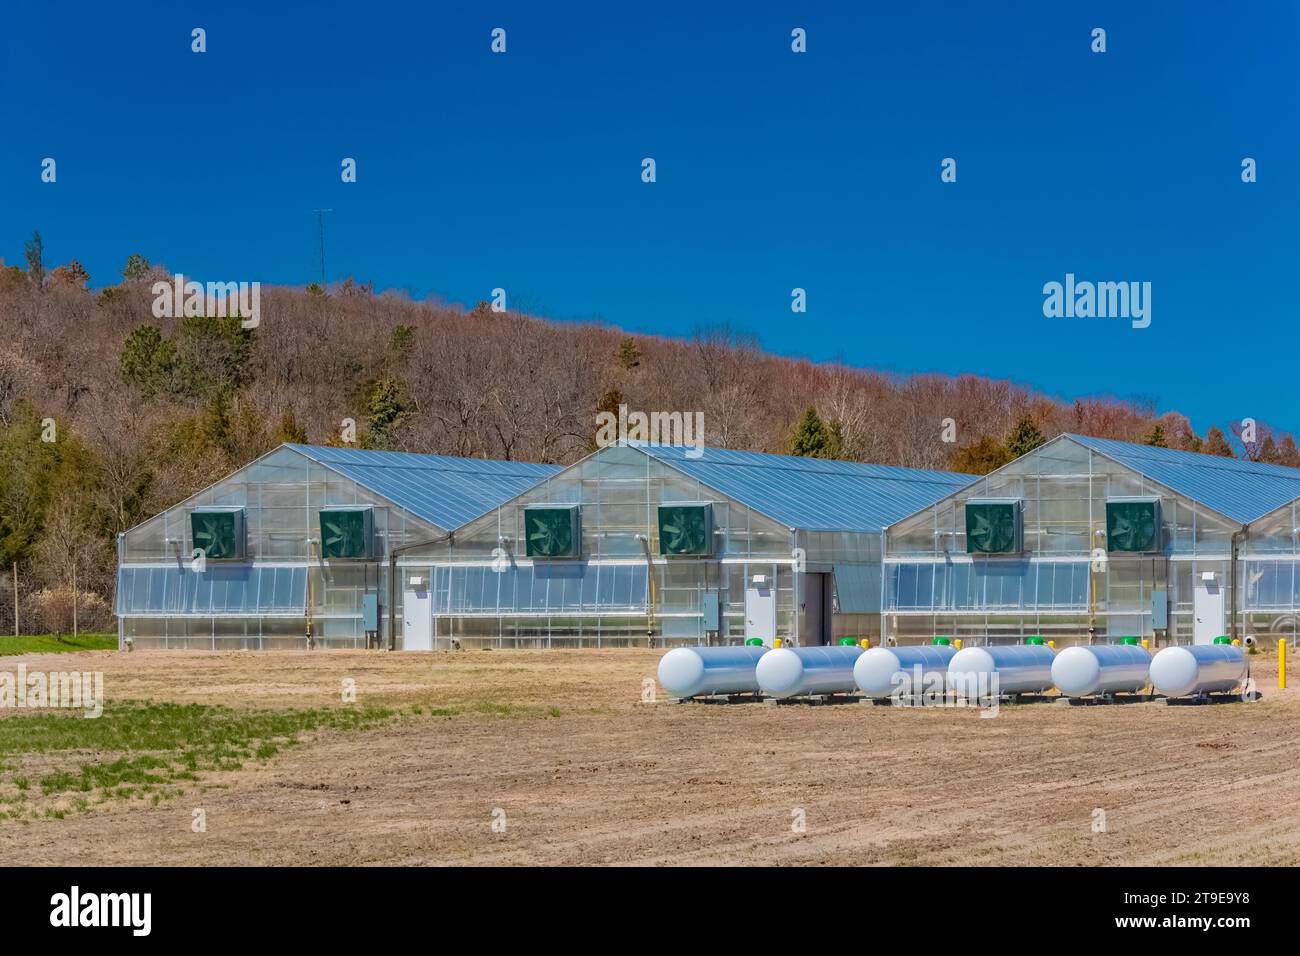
<point x="1102" y="669"/>
<point x="1019" y="669"/>
<point x="791" y="672"/>
<point x="690" y="671"/>
<point x="883" y="671"/>
<point x="1198" y="669"/>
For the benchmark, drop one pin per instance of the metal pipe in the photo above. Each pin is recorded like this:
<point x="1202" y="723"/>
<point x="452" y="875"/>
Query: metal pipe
<point x="651" y="593"/>
<point x="311" y="589"/>
<point x="121" y="624"/>
<point x="1233" y="579"/>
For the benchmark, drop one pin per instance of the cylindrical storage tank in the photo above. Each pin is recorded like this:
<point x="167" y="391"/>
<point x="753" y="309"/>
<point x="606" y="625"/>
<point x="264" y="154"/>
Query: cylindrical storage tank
<point x="1198" y="669"/>
<point x="1022" y="669"/>
<point x="691" y="671"/>
<point x="884" y="671"/>
<point x="794" y="671"/>
<point x="1105" y="669"/>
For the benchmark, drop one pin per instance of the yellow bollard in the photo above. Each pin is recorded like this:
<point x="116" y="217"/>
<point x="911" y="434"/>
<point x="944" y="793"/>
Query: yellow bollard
<point x="1281" y="664"/>
<point x="1236" y="642"/>
<point x="865" y="644"/>
<point x="1051" y="643"/>
<point x="1146" y="643"/>
<point x="957" y="643"/>
<point x="776" y="643"/>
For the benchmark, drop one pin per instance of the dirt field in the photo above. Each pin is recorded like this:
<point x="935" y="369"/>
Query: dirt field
<point x="558" y="746"/>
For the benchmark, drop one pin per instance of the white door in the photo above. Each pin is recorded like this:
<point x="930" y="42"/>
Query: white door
<point x="760" y="609"/>
<point x="417" y="615"/>
<point x="1207" y="607"/>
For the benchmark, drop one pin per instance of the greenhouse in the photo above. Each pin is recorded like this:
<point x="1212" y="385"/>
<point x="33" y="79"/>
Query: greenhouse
<point x="1270" y="576"/>
<point x="292" y="550"/>
<point x="1087" y="538"/>
<point x="655" y="543"/>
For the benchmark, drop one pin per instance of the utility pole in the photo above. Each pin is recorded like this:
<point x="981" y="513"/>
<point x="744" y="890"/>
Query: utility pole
<point x="320" y="223"/>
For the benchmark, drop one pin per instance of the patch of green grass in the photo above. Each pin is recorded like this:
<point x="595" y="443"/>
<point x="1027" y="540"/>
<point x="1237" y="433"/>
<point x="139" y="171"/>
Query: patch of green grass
<point x="53" y="644"/>
<point x="156" y="744"/>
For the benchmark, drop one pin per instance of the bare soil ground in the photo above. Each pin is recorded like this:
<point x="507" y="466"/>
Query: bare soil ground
<point x="558" y="746"/>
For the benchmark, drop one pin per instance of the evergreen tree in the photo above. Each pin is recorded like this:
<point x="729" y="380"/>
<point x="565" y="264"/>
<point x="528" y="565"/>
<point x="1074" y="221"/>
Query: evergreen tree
<point x="1156" y="437"/>
<point x="403" y="337"/>
<point x="137" y="267"/>
<point x="1025" y="437"/>
<point x="290" y="431"/>
<point x="34" y="250"/>
<point x="812" y="439"/>
<point x="629" y="356"/>
<point x="148" y="360"/>
<point x="387" y="406"/>
<point x="609" y="401"/>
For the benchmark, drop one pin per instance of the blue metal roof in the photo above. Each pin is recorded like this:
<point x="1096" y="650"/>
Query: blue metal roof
<point x="1237" y="489"/>
<point x="442" y="489"/>
<point x="814" y="494"/>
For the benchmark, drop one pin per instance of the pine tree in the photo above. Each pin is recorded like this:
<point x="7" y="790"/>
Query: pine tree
<point x="34" y="250"/>
<point x="387" y="406"/>
<point x="608" y="402"/>
<point x="812" y="439"/>
<point x="403" y="337"/>
<point x="148" y="360"/>
<point x="290" y="431"/>
<point x="1025" y="437"/>
<point x="1156" y="437"/>
<point x="137" y="267"/>
<point x="629" y="356"/>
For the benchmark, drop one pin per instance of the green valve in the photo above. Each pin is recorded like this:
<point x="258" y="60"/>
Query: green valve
<point x="1223" y="639"/>
<point x="1034" y="641"/>
<point x="754" y="642"/>
<point x="1128" y="640"/>
<point x="848" y="642"/>
<point x="942" y="641"/>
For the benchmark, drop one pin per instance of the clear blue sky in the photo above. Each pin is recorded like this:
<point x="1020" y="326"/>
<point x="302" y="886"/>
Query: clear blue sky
<point x="775" y="170"/>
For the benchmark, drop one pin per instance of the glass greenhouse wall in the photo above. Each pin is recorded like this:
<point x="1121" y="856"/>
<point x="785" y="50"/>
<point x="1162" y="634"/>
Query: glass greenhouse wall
<point x="618" y="587"/>
<point x="1062" y="580"/>
<point x="266" y="597"/>
<point x="1270" y="578"/>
